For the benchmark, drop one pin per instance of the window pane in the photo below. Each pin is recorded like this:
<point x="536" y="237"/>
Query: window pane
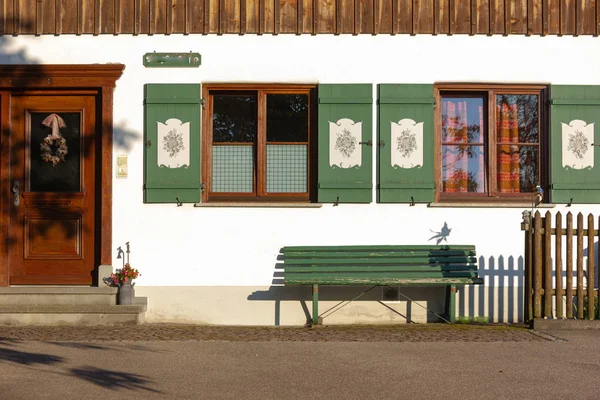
<point x="234" y="118"/>
<point x="463" y="169"/>
<point x="517" y="118"/>
<point x="287" y="118"/>
<point x="233" y="169"/>
<point x="65" y="176"/>
<point x="462" y="120"/>
<point x="287" y="168"/>
<point x="518" y="168"/>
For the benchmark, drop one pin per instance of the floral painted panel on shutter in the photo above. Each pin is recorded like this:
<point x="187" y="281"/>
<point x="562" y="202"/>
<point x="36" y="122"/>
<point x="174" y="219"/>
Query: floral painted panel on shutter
<point x="575" y="167"/>
<point x="172" y="143"/>
<point x="405" y="163"/>
<point x="345" y="143"/>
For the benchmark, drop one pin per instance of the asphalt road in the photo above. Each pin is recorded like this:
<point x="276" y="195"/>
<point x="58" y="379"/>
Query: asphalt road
<point x="567" y="367"/>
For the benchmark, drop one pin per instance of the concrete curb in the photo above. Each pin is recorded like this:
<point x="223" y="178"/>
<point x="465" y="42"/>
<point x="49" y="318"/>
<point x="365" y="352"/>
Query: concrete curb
<point x="564" y="324"/>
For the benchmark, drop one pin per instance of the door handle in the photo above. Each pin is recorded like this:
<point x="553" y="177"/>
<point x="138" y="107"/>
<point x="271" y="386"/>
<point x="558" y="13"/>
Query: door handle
<point x="16" y="190"/>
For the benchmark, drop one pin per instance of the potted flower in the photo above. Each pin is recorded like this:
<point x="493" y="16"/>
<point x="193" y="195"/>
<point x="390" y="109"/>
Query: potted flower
<point x="123" y="279"/>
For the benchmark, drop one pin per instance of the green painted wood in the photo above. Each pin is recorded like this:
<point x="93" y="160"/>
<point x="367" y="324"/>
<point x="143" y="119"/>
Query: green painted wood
<point x="315" y="305"/>
<point x="163" y="102"/>
<point x="171" y="60"/>
<point x="345" y="185"/>
<point x="405" y="185"/>
<point x="383" y="248"/>
<point x="386" y="268"/>
<point x="390" y="261"/>
<point x="400" y="281"/>
<point x="451" y="303"/>
<point x="350" y="274"/>
<point x="568" y="103"/>
<point x="291" y="255"/>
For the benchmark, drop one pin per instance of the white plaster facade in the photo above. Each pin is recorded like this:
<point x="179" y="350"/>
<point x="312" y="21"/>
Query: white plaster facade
<point x="216" y="265"/>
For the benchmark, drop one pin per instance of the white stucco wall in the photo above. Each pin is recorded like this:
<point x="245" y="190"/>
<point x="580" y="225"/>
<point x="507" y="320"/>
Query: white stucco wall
<point x="185" y="252"/>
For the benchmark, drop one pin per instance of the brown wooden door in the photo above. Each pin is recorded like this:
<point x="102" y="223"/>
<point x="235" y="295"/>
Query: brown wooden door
<point x="52" y="202"/>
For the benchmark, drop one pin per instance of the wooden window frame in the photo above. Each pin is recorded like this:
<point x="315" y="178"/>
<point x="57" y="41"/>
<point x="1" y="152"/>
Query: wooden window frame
<point x="490" y="91"/>
<point x="260" y="194"/>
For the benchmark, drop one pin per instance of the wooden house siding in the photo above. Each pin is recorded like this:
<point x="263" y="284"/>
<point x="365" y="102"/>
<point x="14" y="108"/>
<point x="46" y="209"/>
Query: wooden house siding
<point x="448" y="17"/>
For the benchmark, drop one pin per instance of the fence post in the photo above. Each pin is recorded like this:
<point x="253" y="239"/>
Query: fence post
<point x="528" y="290"/>
<point x="580" y="266"/>
<point x="548" y="265"/>
<point x="537" y="260"/>
<point x="590" y="267"/>
<point x="569" y="271"/>
<point x="558" y="265"/>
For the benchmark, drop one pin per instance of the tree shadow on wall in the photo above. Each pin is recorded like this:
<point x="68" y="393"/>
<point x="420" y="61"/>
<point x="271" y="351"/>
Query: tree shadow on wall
<point x="12" y="59"/>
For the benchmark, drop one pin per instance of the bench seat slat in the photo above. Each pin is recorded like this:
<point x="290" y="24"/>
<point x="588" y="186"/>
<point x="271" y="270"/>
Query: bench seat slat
<point x="293" y="276"/>
<point x="381" y="248"/>
<point x="378" y="268"/>
<point x="388" y="261"/>
<point x="290" y="255"/>
<point x="376" y="280"/>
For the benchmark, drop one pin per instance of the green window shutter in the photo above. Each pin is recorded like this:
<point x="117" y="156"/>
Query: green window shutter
<point x="405" y="163"/>
<point x="575" y="163"/>
<point x="345" y="159"/>
<point x="172" y="143"/>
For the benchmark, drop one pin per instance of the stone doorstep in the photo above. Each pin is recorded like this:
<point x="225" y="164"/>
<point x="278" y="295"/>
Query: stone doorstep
<point x="71" y="309"/>
<point x="58" y="290"/>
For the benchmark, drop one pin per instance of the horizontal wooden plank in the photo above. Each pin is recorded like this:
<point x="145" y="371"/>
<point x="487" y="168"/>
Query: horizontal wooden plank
<point x="292" y="255"/>
<point x="386" y="274"/>
<point x="400" y="281"/>
<point x="377" y="268"/>
<point x="401" y="262"/>
<point x="379" y="248"/>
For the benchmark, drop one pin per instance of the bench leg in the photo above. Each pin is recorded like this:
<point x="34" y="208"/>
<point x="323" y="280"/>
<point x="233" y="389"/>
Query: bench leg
<point x="451" y="303"/>
<point x="315" y="304"/>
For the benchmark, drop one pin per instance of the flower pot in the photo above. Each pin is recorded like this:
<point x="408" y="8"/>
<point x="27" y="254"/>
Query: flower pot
<point x="126" y="294"/>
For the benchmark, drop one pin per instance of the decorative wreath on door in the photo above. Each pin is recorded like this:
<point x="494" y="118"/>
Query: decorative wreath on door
<point x="54" y="148"/>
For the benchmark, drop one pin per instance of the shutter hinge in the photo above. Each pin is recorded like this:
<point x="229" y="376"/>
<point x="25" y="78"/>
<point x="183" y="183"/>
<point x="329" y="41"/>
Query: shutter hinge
<point x="202" y="186"/>
<point x="202" y="102"/>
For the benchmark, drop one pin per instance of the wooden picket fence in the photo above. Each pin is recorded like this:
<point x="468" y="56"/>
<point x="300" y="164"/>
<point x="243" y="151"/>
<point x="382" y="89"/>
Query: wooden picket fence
<point x="550" y="253"/>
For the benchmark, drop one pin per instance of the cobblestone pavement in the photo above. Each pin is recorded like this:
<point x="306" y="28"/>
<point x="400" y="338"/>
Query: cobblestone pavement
<point x="354" y="333"/>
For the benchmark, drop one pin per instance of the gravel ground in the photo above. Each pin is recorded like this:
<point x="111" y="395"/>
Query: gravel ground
<point x="353" y="333"/>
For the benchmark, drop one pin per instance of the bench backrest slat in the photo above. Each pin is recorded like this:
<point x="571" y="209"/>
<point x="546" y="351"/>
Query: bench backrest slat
<point x="380" y="268"/>
<point x="384" y="248"/>
<point x="425" y="264"/>
<point x="382" y="260"/>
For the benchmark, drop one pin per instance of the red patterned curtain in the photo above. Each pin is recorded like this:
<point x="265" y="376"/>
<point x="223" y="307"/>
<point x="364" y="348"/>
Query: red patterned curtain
<point x="507" y="122"/>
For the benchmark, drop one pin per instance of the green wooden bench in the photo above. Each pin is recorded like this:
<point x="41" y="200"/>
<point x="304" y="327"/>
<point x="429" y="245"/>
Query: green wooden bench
<point x="381" y="266"/>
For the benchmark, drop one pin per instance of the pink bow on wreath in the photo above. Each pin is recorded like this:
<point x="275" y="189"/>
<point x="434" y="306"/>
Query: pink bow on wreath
<point x="56" y="122"/>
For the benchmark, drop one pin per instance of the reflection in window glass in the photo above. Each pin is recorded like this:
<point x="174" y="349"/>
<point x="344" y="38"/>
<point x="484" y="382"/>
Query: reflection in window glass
<point x="287" y="117"/>
<point x="463" y="155"/>
<point x="234" y="118"/>
<point x="463" y="168"/>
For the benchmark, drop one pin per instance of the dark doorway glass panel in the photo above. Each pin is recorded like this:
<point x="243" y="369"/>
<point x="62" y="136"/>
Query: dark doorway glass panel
<point x="65" y="176"/>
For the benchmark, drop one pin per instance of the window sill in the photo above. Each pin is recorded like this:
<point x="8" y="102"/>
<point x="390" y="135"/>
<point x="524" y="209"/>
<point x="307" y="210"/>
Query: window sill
<point x="259" y="205"/>
<point x="489" y="205"/>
